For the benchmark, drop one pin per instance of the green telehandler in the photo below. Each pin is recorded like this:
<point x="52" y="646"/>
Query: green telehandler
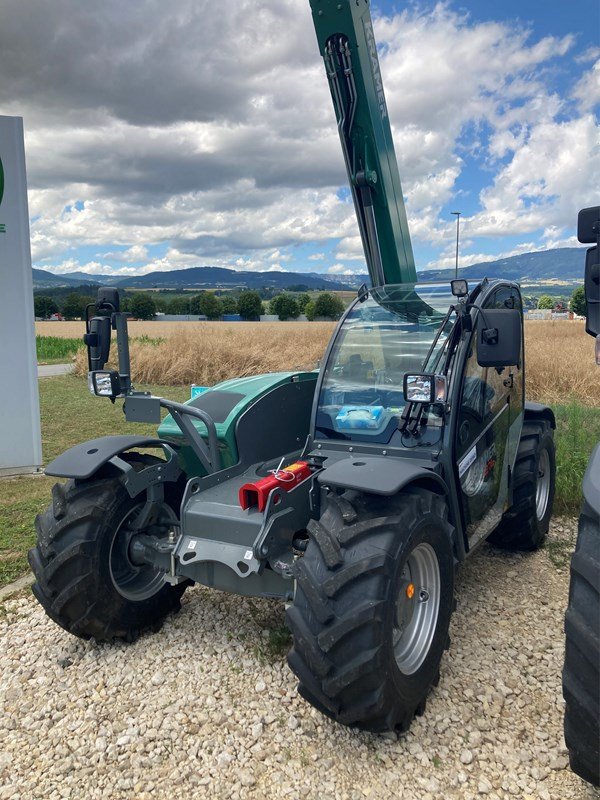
<point x="352" y="492"/>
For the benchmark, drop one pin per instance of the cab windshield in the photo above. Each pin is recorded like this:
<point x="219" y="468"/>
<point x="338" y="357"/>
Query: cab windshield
<point x="382" y="339"/>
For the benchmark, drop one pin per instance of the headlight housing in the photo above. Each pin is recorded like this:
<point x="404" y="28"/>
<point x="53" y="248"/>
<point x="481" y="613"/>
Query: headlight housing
<point x="104" y="383"/>
<point x="425" y="388"/>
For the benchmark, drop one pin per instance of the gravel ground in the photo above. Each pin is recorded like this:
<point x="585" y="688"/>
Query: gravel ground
<point x="208" y="707"/>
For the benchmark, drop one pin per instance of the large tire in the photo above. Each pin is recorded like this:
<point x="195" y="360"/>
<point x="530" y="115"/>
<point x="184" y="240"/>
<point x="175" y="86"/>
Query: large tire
<point x="351" y="603"/>
<point x="82" y="578"/>
<point x="581" y="678"/>
<point x="525" y="525"/>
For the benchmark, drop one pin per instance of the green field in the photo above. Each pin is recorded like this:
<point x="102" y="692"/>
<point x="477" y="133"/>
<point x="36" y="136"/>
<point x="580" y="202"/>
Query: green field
<point x="70" y="414"/>
<point x="55" y="349"/>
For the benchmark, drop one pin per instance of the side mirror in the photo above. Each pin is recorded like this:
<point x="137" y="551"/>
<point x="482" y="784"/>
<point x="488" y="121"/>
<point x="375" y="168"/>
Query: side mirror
<point x="425" y="388"/>
<point x="108" y="299"/>
<point x="499" y="334"/>
<point x="592" y="291"/>
<point x="97" y="341"/>
<point x="588" y="225"/>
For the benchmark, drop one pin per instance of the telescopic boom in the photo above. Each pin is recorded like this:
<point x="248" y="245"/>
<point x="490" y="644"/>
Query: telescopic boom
<point x="347" y="44"/>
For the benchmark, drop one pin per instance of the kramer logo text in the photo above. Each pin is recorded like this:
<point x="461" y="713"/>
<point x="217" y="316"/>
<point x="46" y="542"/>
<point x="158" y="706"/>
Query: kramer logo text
<point x="376" y="72"/>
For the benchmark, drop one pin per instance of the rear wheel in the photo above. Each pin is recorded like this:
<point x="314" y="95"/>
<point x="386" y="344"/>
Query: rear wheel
<point x="370" y="617"/>
<point x="525" y="525"/>
<point x="84" y="577"/>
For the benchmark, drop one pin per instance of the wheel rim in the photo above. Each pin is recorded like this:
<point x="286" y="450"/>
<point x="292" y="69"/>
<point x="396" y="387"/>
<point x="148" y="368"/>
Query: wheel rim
<point x="542" y="487"/>
<point x="417" y="608"/>
<point x="132" y="581"/>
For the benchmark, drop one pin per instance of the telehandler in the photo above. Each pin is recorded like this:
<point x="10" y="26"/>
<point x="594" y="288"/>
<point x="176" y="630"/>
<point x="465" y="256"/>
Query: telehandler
<point x="351" y="493"/>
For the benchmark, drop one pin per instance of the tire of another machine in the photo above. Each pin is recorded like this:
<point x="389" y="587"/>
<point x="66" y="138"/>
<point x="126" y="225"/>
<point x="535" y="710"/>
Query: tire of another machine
<point x="581" y="678"/>
<point x="351" y="605"/>
<point x="525" y="525"/>
<point x="75" y="569"/>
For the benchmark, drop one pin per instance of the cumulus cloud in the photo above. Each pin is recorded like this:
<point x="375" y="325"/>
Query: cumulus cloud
<point x="210" y="131"/>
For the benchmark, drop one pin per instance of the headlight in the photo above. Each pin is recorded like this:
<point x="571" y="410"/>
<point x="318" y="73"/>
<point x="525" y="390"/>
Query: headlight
<point x="104" y="384"/>
<point x="425" y="388"/>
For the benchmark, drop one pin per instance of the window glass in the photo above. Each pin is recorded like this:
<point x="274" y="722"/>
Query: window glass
<point x="382" y="339"/>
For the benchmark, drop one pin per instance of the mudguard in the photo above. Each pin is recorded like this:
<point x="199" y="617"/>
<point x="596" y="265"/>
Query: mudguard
<point x="539" y="411"/>
<point x="83" y="460"/>
<point x="379" y="475"/>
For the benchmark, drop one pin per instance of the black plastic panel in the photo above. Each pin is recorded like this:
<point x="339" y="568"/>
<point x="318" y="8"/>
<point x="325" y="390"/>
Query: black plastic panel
<point x="218" y="403"/>
<point x="277" y="423"/>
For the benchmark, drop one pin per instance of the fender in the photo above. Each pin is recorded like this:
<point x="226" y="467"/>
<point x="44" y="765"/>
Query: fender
<point x="380" y="475"/>
<point x="85" y="459"/>
<point x="535" y="411"/>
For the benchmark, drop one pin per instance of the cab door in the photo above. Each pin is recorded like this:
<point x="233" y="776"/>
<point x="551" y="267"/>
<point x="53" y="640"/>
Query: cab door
<point x="487" y="434"/>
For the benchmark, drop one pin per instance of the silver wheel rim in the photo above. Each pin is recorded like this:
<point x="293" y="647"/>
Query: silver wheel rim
<point x="417" y="608"/>
<point x="542" y="486"/>
<point x="132" y="581"/>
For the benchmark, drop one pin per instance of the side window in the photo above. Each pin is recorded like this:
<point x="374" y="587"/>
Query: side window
<point x="484" y="390"/>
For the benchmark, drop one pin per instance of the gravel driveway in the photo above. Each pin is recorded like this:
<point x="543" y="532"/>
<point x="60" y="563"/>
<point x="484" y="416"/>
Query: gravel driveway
<point x="208" y="707"/>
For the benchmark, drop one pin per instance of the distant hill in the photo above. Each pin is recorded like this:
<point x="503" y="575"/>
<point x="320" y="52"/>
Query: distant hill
<point x="563" y="265"/>
<point x="554" y="271"/>
<point x="48" y="280"/>
<point x="546" y="270"/>
<point x="221" y="278"/>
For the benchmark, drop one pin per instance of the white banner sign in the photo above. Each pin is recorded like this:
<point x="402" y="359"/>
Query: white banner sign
<point x="20" y="438"/>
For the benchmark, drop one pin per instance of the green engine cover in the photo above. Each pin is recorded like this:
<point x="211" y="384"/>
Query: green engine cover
<point x="225" y="402"/>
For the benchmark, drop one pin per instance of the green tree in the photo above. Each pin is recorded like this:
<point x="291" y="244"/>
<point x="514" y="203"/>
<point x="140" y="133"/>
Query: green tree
<point x="44" y="306"/>
<point x="577" y="302"/>
<point x="74" y="304"/>
<point x="142" y="306"/>
<point x="328" y="305"/>
<point x="209" y="305"/>
<point x="179" y="305"/>
<point x="309" y="310"/>
<point x="303" y="300"/>
<point x="250" y="305"/>
<point x="285" y="306"/>
<point x="546" y="302"/>
<point x="161" y="303"/>
<point x="229" y="304"/>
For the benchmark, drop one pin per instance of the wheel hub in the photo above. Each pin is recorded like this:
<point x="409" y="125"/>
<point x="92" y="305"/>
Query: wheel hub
<point x="542" y="486"/>
<point x="132" y="579"/>
<point x="417" y="608"/>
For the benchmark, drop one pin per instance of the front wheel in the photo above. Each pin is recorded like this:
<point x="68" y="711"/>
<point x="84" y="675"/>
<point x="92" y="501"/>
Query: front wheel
<point x="84" y="577"/>
<point x="374" y="596"/>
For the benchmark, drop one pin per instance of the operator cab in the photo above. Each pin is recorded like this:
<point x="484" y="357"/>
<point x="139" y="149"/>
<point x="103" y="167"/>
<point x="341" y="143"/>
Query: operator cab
<point x="384" y="338"/>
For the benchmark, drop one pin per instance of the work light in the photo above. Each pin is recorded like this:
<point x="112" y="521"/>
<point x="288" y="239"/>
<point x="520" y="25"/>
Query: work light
<point x="104" y="384"/>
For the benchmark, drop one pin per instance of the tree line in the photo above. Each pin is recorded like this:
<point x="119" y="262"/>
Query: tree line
<point x="248" y="304"/>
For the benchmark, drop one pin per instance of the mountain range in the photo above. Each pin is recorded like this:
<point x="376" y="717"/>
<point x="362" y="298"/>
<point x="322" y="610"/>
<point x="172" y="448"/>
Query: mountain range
<point x="555" y="271"/>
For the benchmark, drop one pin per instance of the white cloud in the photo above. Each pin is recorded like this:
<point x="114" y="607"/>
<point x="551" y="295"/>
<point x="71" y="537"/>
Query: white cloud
<point x="227" y="150"/>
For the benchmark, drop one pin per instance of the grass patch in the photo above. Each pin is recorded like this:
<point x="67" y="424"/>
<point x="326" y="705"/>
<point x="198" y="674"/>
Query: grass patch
<point x="66" y="398"/>
<point x="577" y="433"/>
<point x="56" y="350"/>
<point x="70" y="415"/>
<point x="20" y="499"/>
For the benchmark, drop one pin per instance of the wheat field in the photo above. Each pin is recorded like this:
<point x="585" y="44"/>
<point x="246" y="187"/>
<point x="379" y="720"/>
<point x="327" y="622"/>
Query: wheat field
<point x="559" y="355"/>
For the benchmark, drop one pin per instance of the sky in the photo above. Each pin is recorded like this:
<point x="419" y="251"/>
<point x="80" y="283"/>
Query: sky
<point x="192" y="133"/>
